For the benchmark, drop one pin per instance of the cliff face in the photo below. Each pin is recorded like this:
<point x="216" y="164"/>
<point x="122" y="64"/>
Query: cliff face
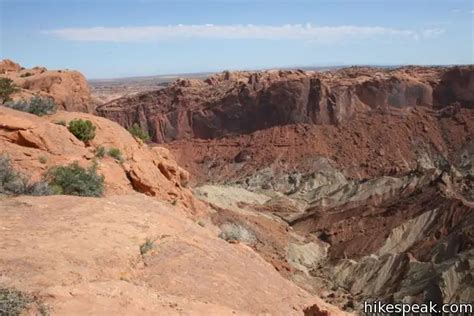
<point x="67" y="88"/>
<point x="244" y="102"/>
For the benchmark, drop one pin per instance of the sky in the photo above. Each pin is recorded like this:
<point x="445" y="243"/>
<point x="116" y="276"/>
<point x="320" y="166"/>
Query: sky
<point x="121" y="38"/>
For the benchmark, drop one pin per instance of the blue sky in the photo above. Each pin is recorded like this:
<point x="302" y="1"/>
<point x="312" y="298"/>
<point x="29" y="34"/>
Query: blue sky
<point x="105" y="38"/>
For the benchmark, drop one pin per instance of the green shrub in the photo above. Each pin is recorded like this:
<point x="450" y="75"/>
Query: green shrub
<point x="100" y="152"/>
<point x="137" y="131"/>
<point x="146" y="246"/>
<point x="83" y="129"/>
<point x="116" y="154"/>
<point x="75" y="180"/>
<point x="42" y="106"/>
<point x="43" y="159"/>
<point x="38" y="106"/>
<point x="14" y="303"/>
<point x="13" y="182"/>
<point x="7" y="88"/>
<point x="7" y="174"/>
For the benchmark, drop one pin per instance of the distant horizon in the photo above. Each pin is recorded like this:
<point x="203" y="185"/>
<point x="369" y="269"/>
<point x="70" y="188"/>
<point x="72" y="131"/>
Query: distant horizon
<point x="302" y="67"/>
<point x="203" y="73"/>
<point x="107" y="39"/>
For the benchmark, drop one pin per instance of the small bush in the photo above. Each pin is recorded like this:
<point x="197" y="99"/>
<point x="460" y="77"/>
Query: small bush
<point x="38" y="189"/>
<point x="100" y="152"/>
<point x="7" y="88"/>
<point x="13" y="182"/>
<point x="26" y="74"/>
<point x="146" y="246"/>
<point x="38" y="106"/>
<point x="7" y="174"/>
<point x="13" y="302"/>
<point x="43" y="159"/>
<point x="234" y="231"/>
<point x="75" y="180"/>
<point x="137" y="131"/>
<point x="83" y="129"/>
<point x="42" y="106"/>
<point x="116" y="154"/>
<point x="60" y="122"/>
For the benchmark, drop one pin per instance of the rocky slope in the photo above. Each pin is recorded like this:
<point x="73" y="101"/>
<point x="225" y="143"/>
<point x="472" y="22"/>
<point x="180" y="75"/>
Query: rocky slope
<point x="355" y="184"/>
<point x="67" y="88"/>
<point x="81" y="256"/>
<point x="36" y="144"/>
<point x="126" y="253"/>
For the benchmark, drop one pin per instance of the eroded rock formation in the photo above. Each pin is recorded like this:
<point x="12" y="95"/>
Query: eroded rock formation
<point x="356" y="183"/>
<point x="244" y="102"/>
<point x="67" y="88"/>
<point x="35" y="144"/>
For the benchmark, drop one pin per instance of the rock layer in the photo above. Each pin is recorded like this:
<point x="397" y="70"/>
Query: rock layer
<point x="244" y="102"/>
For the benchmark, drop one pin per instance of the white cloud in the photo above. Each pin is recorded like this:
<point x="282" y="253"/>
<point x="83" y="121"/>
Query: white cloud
<point x="462" y="11"/>
<point x="432" y="33"/>
<point x="249" y="31"/>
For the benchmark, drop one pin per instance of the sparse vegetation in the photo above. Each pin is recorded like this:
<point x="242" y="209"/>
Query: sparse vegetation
<point x="76" y="180"/>
<point x="38" y="106"/>
<point x="116" y="154"/>
<point x="60" y="122"/>
<point x="236" y="232"/>
<point x="138" y="132"/>
<point x="43" y="159"/>
<point x="26" y="74"/>
<point x="13" y="182"/>
<point x="146" y="246"/>
<point x="83" y="129"/>
<point x="7" y="88"/>
<point x="14" y="302"/>
<point x="100" y="152"/>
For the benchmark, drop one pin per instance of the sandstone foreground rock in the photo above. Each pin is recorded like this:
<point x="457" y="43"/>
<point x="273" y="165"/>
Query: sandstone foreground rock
<point x="81" y="256"/>
<point x="36" y="144"/>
